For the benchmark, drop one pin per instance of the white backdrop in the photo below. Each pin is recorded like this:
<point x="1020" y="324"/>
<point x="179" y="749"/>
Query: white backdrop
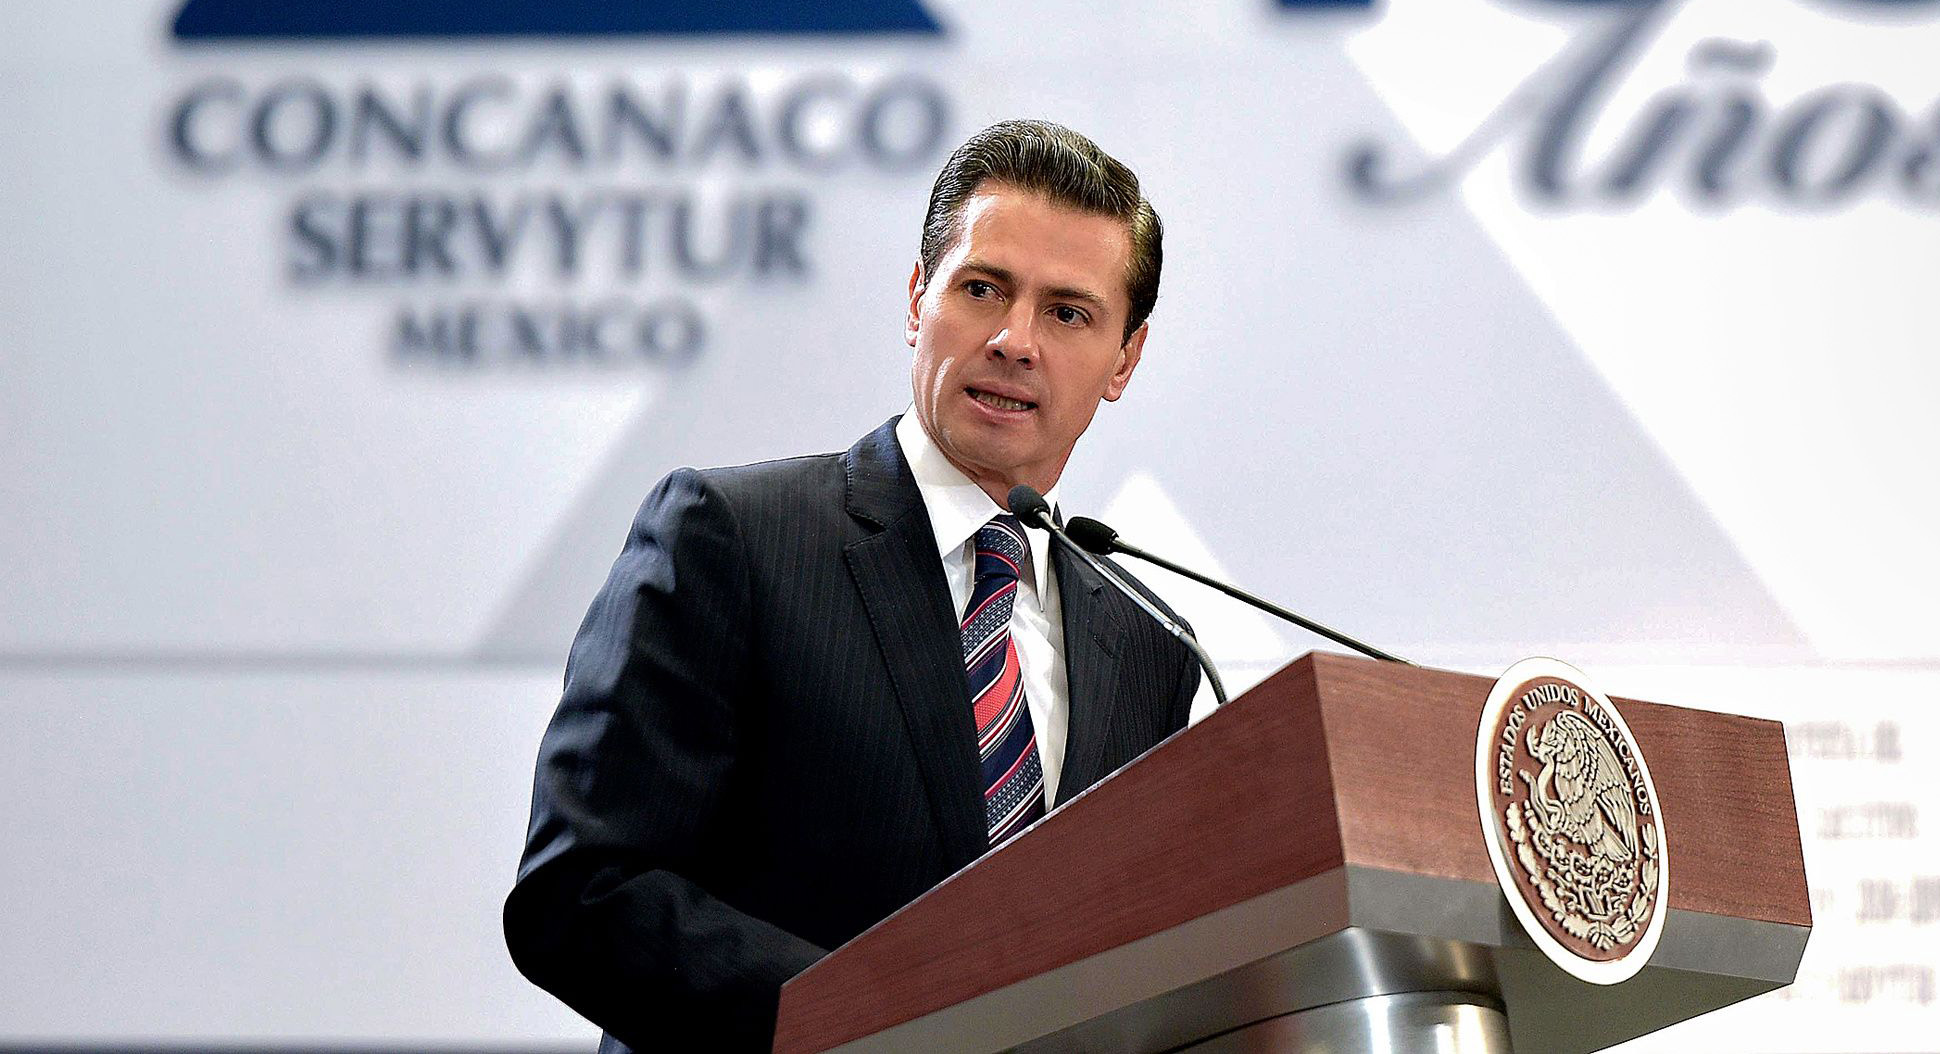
<point x="290" y="575"/>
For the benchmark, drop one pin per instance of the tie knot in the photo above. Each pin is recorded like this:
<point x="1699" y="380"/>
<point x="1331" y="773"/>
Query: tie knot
<point x="1000" y="547"/>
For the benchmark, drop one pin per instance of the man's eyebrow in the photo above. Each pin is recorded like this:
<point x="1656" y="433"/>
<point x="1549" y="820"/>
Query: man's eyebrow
<point x="1065" y="293"/>
<point x="1055" y="292"/>
<point x="994" y="271"/>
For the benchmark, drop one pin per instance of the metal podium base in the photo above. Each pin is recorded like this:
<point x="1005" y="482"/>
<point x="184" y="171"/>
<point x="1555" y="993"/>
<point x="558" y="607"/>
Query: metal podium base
<point x="1409" y="1023"/>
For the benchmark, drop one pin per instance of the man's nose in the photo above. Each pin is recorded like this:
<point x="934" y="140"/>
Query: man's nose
<point x="1017" y="341"/>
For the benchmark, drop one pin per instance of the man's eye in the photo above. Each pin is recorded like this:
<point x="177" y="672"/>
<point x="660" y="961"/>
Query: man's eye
<point x="979" y="289"/>
<point x="1070" y="316"/>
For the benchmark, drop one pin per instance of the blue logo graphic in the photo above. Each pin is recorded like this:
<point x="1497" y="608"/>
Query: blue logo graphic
<point x="363" y="19"/>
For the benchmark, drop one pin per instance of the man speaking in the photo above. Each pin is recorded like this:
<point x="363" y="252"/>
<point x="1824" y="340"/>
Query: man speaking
<point x="812" y="689"/>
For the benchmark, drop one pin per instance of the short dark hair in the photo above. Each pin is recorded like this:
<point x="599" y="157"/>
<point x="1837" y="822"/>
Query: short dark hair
<point x="1064" y="166"/>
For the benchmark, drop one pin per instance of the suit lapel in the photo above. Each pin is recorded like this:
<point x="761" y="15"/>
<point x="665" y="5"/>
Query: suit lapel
<point x="1094" y="637"/>
<point x="897" y="571"/>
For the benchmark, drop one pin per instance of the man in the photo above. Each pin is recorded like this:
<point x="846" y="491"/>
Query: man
<point x="812" y="689"/>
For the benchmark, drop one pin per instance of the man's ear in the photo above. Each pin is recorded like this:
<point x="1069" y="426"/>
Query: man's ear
<point x="1128" y="356"/>
<point x="914" y="320"/>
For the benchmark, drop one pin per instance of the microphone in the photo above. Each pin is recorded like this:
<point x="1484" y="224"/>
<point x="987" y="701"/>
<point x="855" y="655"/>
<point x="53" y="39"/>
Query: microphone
<point x="1030" y="507"/>
<point x="1102" y="540"/>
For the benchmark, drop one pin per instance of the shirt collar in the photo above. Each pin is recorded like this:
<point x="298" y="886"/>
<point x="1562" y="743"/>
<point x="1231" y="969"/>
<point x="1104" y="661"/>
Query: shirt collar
<point x="958" y="508"/>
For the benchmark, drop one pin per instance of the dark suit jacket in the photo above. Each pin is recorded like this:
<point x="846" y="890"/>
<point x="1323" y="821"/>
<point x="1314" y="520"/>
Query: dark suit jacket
<point x="765" y="744"/>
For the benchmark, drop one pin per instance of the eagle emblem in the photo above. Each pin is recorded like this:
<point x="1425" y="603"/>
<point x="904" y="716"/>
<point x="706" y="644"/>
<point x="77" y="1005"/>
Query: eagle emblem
<point x="1571" y="820"/>
<point x="1581" y="790"/>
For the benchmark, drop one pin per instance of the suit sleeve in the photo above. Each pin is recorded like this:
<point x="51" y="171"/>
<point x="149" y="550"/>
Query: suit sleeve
<point x="609" y="912"/>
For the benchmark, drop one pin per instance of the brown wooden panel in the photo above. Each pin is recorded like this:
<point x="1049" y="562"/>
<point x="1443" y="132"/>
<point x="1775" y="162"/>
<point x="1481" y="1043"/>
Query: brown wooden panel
<point x="1730" y="824"/>
<point x="1238" y="806"/>
<point x="1402" y="743"/>
<point x="1332" y="760"/>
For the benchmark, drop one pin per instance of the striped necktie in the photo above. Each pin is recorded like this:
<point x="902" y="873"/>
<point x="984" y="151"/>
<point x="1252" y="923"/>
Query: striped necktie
<point x="1013" y="778"/>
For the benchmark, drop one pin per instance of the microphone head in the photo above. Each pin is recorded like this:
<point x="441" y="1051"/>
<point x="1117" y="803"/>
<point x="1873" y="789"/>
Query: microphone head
<point x="1029" y="506"/>
<point x="1092" y="536"/>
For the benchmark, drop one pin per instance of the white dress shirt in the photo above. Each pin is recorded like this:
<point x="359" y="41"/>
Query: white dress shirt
<point x="958" y="508"/>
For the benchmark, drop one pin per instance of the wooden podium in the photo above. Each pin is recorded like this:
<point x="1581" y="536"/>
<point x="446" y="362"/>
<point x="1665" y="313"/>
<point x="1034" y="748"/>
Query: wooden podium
<point x="1305" y="869"/>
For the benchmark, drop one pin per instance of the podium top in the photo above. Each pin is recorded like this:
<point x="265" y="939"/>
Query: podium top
<point x="1343" y="787"/>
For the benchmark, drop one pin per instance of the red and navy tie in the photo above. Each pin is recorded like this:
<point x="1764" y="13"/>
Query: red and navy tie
<point x="1013" y="778"/>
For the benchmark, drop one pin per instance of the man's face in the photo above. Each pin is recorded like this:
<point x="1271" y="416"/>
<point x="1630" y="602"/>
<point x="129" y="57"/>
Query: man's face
<point x="1017" y="336"/>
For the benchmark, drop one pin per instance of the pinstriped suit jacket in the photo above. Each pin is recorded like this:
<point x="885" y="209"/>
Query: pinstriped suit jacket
<point x="765" y="744"/>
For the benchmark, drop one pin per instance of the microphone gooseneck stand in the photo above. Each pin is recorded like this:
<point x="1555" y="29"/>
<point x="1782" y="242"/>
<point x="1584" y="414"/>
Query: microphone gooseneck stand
<point x="1101" y="539"/>
<point x="1030" y="507"/>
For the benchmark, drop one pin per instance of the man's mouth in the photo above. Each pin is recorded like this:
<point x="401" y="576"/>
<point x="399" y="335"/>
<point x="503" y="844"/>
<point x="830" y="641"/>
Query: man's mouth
<point x="1001" y="402"/>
